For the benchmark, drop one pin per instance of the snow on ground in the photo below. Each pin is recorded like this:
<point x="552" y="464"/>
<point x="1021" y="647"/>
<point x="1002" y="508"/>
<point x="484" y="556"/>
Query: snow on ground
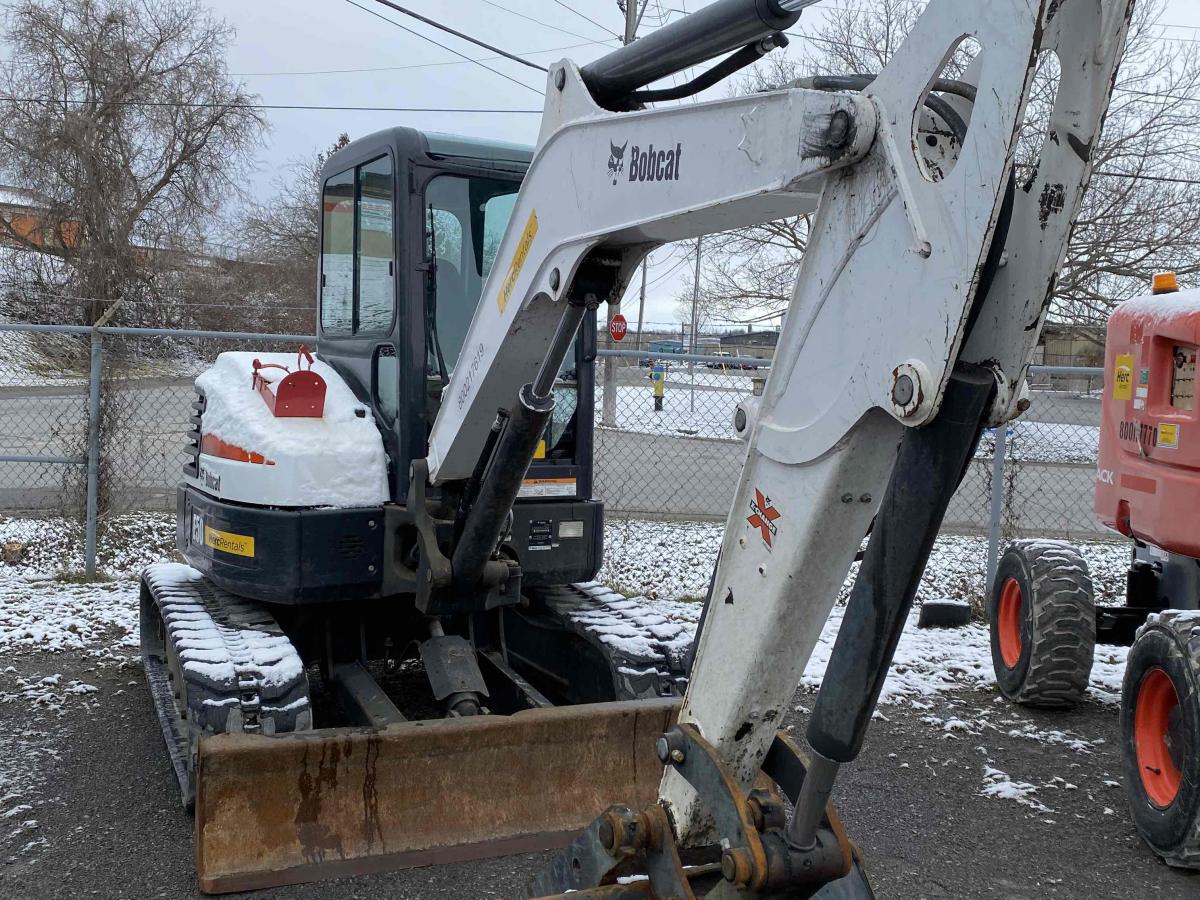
<point x="670" y="563"/>
<point x="674" y="560"/>
<point x="125" y="546"/>
<point x="662" y="566"/>
<point x="708" y="412"/>
<point x="932" y="661"/>
<point x="1045" y="442"/>
<point x="998" y="784"/>
<point x="45" y="606"/>
<point x="25" y="758"/>
<point x="43" y="613"/>
<point x="34" y="360"/>
<point x="685" y="413"/>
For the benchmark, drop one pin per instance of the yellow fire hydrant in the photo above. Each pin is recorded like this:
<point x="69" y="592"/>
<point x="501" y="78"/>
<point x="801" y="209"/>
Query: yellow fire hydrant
<point x="659" y="378"/>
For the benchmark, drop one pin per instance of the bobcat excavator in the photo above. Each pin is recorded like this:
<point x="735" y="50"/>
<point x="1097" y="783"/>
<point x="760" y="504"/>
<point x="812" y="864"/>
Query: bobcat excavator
<point x="386" y="650"/>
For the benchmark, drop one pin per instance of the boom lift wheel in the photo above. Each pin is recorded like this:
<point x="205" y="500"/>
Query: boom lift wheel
<point x="1160" y="731"/>
<point x="1043" y="624"/>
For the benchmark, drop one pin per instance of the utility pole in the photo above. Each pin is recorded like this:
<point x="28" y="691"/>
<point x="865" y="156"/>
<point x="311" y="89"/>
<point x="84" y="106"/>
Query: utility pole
<point x="695" y="323"/>
<point x="641" y="309"/>
<point x="608" y="411"/>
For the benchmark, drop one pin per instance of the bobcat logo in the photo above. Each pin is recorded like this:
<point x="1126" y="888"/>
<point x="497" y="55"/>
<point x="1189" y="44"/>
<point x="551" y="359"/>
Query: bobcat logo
<point x="616" y="160"/>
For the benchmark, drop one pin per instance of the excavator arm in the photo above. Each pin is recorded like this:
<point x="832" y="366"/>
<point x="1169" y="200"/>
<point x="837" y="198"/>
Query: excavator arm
<point x="915" y="314"/>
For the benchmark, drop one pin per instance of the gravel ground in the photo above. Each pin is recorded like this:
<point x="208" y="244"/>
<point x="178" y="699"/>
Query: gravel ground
<point x="956" y="794"/>
<point x="108" y="824"/>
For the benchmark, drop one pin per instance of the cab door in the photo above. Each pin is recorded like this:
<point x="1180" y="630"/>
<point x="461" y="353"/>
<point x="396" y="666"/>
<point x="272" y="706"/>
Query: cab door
<point x="360" y="239"/>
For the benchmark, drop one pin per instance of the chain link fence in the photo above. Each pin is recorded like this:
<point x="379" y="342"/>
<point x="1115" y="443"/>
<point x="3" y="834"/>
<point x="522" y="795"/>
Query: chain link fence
<point x="681" y="458"/>
<point x="666" y="445"/>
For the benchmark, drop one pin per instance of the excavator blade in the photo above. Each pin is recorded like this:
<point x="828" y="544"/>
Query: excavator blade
<point x="347" y="801"/>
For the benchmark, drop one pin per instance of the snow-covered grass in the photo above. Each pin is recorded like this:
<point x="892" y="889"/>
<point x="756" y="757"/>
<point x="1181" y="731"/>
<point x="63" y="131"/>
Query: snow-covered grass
<point x="45" y="604"/>
<point x="663" y="566"/>
<point x="126" y="544"/>
<point x="670" y="564"/>
<point x="674" y="560"/>
<point x="702" y="413"/>
<point x="1045" y="442"/>
<point x="708" y="412"/>
<point x="40" y="613"/>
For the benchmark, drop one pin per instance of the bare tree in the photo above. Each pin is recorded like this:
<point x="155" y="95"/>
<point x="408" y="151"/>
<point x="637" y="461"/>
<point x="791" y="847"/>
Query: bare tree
<point x="285" y="225"/>
<point x="281" y="235"/>
<point x="120" y="119"/>
<point x="1138" y="214"/>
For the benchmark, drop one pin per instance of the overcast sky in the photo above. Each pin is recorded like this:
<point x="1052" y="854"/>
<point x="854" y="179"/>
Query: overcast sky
<point x="279" y="39"/>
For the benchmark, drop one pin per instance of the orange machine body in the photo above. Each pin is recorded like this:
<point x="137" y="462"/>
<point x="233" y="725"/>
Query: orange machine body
<point x="1148" y="470"/>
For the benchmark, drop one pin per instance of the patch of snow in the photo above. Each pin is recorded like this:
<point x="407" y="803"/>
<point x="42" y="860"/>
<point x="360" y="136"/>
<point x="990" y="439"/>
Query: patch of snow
<point x="997" y="784"/>
<point x="40" y="613"/>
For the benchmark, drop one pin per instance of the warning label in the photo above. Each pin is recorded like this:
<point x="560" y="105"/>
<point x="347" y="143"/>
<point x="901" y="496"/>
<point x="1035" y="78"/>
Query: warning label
<point x="547" y="487"/>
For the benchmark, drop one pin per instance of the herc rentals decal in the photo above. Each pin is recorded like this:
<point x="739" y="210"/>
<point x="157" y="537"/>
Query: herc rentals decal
<point x="648" y="164"/>
<point x="762" y="516"/>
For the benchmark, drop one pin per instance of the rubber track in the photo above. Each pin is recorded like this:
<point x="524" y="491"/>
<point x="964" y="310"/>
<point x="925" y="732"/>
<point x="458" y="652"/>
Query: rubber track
<point x="241" y="672"/>
<point x="646" y="652"/>
<point x="1063" y="630"/>
<point x="1186" y="628"/>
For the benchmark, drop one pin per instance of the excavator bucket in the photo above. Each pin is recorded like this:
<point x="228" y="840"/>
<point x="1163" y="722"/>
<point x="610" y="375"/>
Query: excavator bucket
<point x="346" y="801"/>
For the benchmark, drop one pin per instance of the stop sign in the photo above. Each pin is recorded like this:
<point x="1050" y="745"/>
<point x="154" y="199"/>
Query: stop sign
<point x="618" y="327"/>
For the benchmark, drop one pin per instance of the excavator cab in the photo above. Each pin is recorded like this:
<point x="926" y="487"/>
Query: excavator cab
<point x="410" y="226"/>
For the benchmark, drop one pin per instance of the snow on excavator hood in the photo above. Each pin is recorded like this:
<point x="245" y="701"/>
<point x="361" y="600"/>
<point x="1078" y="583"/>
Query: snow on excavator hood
<point x="251" y="456"/>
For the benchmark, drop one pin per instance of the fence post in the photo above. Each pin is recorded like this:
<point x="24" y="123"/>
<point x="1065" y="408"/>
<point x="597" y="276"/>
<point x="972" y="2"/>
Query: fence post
<point x="997" y="503"/>
<point x="93" y="456"/>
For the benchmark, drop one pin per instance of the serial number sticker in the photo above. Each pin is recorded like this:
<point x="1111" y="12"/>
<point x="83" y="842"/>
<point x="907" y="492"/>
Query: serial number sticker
<point x="518" y="261"/>
<point x="547" y="487"/>
<point x="226" y="542"/>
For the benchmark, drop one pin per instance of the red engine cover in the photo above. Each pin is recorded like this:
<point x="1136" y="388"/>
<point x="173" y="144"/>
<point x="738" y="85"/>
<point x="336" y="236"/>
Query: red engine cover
<point x="1148" y="472"/>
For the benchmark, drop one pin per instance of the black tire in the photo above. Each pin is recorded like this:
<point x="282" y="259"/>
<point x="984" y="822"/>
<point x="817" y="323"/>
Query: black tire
<point x="1168" y="644"/>
<point x="1043" y="640"/>
<point x="944" y="614"/>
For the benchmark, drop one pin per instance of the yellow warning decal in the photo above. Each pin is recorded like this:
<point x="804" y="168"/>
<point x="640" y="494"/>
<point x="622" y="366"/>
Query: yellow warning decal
<point x="540" y="451"/>
<point x="518" y="260"/>
<point x="1123" y="377"/>
<point x="1168" y="436"/>
<point x="237" y="544"/>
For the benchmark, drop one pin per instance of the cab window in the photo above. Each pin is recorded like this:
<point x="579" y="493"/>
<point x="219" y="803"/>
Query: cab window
<point x="465" y="220"/>
<point x="337" y="255"/>
<point x="358" y="265"/>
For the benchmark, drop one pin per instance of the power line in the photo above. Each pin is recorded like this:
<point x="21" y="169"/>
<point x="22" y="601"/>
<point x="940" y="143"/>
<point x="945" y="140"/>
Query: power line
<point x="582" y="16"/>
<point x="521" y="15"/>
<point x="443" y="46"/>
<point x="866" y="49"/>
<point x="1163" y="178"/>
<point x="458" y="34"/>
<point x="180" y="104"/>
<point x="428" y="65"/>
